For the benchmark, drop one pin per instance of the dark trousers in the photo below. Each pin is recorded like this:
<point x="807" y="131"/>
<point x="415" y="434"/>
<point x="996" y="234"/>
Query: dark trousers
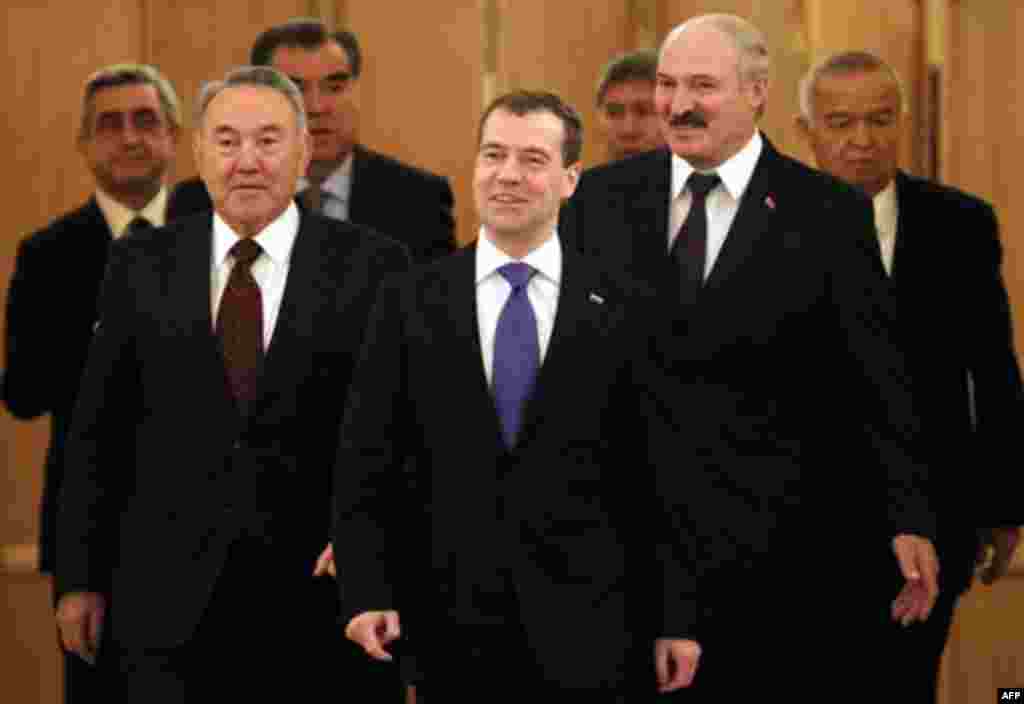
<point x="496" y="664"/>
<point x="260" y="633"/>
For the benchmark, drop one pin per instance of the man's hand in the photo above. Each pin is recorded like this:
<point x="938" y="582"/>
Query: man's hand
<point x="998" y="553"/>
<point x="80" y="617"/>
<point x="920" y="567"/>
<point x="374" y="630"/>
<point x="675" y="662"/>
<point x="325" y="563"/>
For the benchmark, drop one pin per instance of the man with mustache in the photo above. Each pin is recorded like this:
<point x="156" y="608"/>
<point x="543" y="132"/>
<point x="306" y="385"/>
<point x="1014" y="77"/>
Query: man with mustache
<point x="783" y="368"/>
<point x="129" y="131"/>
<point x="852" y="115"/>
<point x="345" y="180"/>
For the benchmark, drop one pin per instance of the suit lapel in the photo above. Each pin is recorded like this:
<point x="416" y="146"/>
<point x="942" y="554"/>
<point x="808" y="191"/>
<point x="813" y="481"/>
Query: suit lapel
<point x="650" y="204"/>
<point x="905" y="203"/>
<point x="190" y="284"/>
<point x="360" y="161"/>
<point x="462" y="322"/>
<point x="756" y="214"/>
<point x="576" y="314"/>
<point x="294" y="324"/>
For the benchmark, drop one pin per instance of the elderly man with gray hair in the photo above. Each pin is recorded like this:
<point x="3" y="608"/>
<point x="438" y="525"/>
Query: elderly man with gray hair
<point x="198" y="466"/>
<point x="129" y="129"/>
<point x="945" y="279"/>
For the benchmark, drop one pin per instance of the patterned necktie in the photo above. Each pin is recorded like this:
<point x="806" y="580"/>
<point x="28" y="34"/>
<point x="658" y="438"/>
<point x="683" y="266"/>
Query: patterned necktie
<point x="516" y="352"/>
<point x="240" y="323"/>
<point x="689" y="251"/>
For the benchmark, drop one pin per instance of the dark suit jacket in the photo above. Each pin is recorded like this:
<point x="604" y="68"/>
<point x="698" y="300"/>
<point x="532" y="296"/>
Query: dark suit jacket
<point x="405" y="203"/>
<point x="554" y="520"/>
<point x="783" y="371"/>
<point x="954" y="317"/>
<point x="199" y="474"/>
<point x="51" y="310"/>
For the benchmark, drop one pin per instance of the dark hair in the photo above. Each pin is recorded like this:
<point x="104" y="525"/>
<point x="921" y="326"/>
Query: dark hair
<point x="307" y="33"/>
<point x="639" y="65"/>
<point x="524" y="102"/>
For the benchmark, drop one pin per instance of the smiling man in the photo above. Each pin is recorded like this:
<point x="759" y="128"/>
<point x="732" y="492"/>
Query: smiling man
<point x="128" y="134"/>
<point x="202" y="441"/>
<point x="783" y="358"/>
<point x="345" y="180"/>
<point x="511" y="561"/>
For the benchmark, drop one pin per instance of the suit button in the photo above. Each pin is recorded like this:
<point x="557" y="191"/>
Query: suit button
<point x="238" y="444"/>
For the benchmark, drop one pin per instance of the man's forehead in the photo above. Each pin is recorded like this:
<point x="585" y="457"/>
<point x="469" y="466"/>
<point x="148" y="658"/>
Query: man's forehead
<point x="701" y="49"/>
<point x="251" y="106"/>
<point x="539" y="126"/>
<point x="864" y="90"/>
<point x="311" y="63"/>
<point x="631" y="89"/>
<point x="125" y="98"/>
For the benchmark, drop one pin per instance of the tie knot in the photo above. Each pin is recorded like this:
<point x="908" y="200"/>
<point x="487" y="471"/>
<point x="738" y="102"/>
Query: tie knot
<point x="518" y="274"/>
<point x="701" y="184"/>
<point x="245" y="251"/>
<point x="138" y="223"/>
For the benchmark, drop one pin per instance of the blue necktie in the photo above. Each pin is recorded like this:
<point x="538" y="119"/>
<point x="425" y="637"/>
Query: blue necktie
<point x="516" y="352"/>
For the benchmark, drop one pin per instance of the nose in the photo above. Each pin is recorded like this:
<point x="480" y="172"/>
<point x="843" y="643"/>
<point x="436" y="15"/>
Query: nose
<point x="314" y="99"/>
<point x="130" y="135"/>
<point x="508" y="171"/>
<point x="248" y="156"/>
<point x="862" y="135"/>
<point x="682" y="101"/>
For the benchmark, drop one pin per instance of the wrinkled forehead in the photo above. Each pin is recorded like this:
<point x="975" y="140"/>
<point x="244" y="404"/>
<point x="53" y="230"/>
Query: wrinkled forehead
<point x="700" y="49"/>
<point x="865" y="91"/>
<point x="248" y="106"/>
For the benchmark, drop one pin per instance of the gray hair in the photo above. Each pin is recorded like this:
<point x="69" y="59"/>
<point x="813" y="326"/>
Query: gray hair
<point x="253" y="76"/>
<point x="127" y="75"/>
<point x="843" y="64"/>
<point x="755" y="61"/>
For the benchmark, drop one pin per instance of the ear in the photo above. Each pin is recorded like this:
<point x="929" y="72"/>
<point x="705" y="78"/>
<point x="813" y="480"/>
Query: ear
<point x="803" y="127"/>
<point x="197" y="149"/>
<point x="572" y="179"/>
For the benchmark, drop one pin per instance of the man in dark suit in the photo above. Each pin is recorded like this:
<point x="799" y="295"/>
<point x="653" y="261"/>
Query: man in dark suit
<point x="345" y="180"/>
<point x="783" y="368"/>
<point x="941" y="250"/>
<point x="198" y="462"/>
<point x="505" y="374"/>
<point x="625" y="104"/>
<point x="129" y="129"/>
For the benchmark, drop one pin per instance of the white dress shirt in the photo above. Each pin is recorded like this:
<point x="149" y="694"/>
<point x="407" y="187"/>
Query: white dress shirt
<point x="492" y="291"/>
<point x="886" y="216"/>
<point x="118" y="216"/>
<point x="270" y="269"/>
<point x="336" y="190"/>
<point x="723" y="201"/>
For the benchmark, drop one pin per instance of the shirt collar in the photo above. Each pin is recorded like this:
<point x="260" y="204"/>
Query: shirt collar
<point x="119" y="216"/>
<point x="276" y="239"/>
<point x="735" y="172"/>
<point x="338" y="184"/>
<point x="885" y="205"/>
<point x="546" y="259"/>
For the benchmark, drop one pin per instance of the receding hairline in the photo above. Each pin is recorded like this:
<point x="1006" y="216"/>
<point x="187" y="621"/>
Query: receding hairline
<point x="846" y="63"/>
<point x="748" y="41"/>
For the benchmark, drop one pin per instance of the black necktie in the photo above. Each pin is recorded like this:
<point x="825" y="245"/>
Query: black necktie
<point x="240" y="322"/>
<point x="689" y="251"/>
<point x="138" y="224"/>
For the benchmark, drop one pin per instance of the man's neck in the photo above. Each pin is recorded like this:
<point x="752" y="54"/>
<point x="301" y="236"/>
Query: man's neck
<point x="320" y="171"/>
<point x="135" y="199"/>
